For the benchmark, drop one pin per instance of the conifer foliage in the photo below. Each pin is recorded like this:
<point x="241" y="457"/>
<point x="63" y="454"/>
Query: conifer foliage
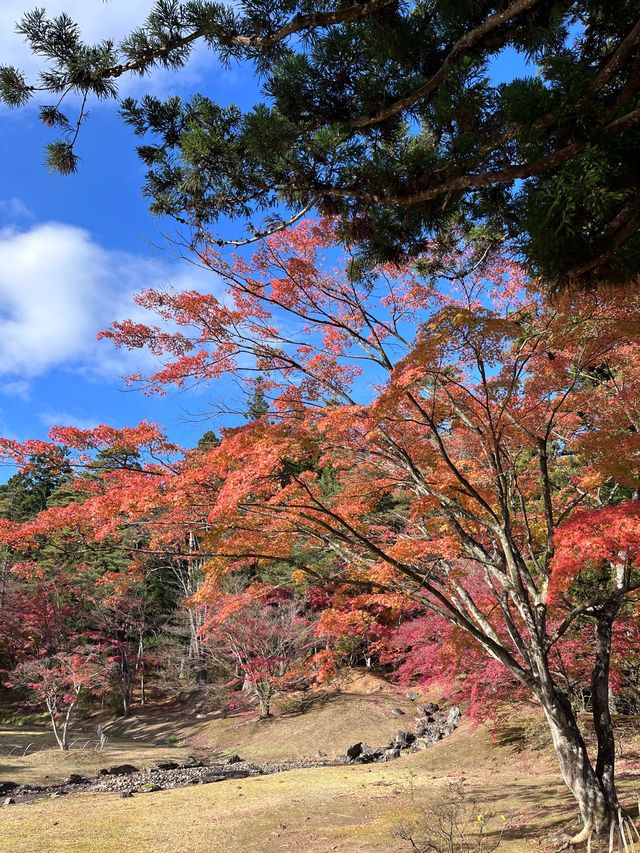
<point x="387" y="114"/>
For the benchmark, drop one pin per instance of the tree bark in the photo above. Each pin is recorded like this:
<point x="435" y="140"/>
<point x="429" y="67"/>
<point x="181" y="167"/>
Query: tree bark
<point x="596" y="810"/>
<point x="603" y="725"/>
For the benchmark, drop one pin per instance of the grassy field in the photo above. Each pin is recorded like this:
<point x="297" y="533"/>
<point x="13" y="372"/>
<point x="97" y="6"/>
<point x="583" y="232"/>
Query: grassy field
<point x="355" y="808"/>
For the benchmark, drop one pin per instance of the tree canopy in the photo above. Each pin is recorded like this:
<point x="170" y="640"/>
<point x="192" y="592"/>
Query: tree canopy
<point x="385" y="114"/>
<point x="440" y="477"/>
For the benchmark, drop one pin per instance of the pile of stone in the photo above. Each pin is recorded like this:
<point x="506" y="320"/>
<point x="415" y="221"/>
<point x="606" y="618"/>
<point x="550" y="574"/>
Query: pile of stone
<point x="432" y="725"/>
<point x="127" y="780"/>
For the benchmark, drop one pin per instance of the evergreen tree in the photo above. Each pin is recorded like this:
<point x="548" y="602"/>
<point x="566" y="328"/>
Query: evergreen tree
<point x="208" y="440"/>
<point x="28" y="492"/>
<point x="257" y="405"/>
<point x="385" y="114"/>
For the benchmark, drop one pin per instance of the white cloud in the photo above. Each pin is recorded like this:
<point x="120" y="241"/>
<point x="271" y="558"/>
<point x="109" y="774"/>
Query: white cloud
<point x="59" y="288"/>
<point x="19" y="388"/>
<point x="98" y="19"/>
<point x="12" y="209"/>
<point x="52" y="417"/>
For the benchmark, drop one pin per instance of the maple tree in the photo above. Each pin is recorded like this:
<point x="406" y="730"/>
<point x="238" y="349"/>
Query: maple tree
<point x="476" y="477"/>
<point x="57" y="683"/>
<point x="446" y="462"/>
<point x="266" y="638"/>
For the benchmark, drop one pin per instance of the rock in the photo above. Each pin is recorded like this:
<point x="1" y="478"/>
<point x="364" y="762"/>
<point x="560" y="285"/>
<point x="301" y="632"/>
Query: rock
<point x="125" y="794"/>
<point x="369" y="754"/>
<point x="167" y="765"/>
<point x="398" y="712"/>
<point x="232" y="759"/>
<point x="9" y="801"/>
<point x="412" y="695"/>
<point x="403" y="739"/>
<point x="390" y="754"/>
<point x="194" y="761"/>
<point x="453" y="717"/>
<point x="149" y="788"/>
<point x="118" y="770"/>
<point x="354" y="751"/>
<point x="76" y="779"/>
<point x="212" y="778"/>
<point x="421" y="743"/>
<point x="7" y="787"/>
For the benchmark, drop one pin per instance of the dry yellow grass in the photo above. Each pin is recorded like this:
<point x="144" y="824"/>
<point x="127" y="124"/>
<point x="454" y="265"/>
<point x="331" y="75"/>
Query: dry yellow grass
<point x="337" y="808"/>
<point x="325" y="809"/>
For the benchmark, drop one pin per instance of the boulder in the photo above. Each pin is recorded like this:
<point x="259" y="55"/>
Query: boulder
<point x="7" y="787"/>
<point x="402" y="740"/>
<point x="398" y="712"/>
<point x="167" y="765"/>
<point x="355" y="750"/>
<point x="369" y="754"/>
<point x="149" y="788"/>
<point x="118" y="770"/>
<point x="76" y="779"/>
<point x="9" y="801"/>
<point x="390" y="754"/>
<point x="231" y="759"/>
<point x="126" y="794"/>
<point x="453" y="717"/>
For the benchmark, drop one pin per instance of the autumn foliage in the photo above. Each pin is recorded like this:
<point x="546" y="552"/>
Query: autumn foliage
<point x="447" y="474"/>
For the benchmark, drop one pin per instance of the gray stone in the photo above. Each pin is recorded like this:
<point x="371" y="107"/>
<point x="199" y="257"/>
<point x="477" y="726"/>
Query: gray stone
<point x="453" y="717"/>
<point x="9" y="801"/>
<point x="149" y="788"/>
<point x="7" y="787"/>
<point x="355" y="750"/>
<point x="76" y="779"/>
<point x="390" y="754"/>
<point x="398" y="712"/>
<point x="118" y="770"/>
<point x="126" y="794"/>
<point x="167" y="765"/>
<point x="369" y="754"/>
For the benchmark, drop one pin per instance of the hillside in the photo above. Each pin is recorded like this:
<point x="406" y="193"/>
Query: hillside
<point x="342" y="808"/>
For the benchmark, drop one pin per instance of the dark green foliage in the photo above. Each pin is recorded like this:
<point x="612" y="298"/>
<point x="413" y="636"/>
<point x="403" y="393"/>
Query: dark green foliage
<point x="257" y="405"/>
<point x="385" y="114"/>
<point x="61" y="158"/>
<point x="28" y="492"/>
<point x="208" y="440"/>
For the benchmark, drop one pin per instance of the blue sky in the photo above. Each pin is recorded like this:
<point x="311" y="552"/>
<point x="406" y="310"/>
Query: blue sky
<point x="73" y="250"/>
